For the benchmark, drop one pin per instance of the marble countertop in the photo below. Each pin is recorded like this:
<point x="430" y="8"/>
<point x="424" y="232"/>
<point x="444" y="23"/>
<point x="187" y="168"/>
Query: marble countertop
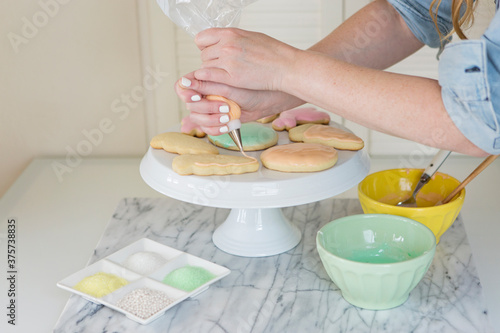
<point x="60" y="222"/>
<point x="290" y="292"/>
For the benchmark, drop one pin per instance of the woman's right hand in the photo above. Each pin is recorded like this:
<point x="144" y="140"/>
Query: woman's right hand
<point x="211" y="116"/>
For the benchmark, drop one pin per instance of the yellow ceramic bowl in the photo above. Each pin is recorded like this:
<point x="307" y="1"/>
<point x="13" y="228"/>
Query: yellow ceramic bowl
<point x="379" y="193"/>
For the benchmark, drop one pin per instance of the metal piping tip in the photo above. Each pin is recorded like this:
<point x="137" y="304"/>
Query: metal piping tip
<point x="236" y="136"/>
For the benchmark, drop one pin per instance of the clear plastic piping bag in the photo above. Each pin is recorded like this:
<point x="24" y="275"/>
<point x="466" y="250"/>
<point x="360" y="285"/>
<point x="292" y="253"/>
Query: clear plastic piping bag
<point x="194" y="16"/>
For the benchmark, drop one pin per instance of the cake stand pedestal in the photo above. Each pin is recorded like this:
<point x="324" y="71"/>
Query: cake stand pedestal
<point x="256" y="226"/>
<point x="256" y="232"/>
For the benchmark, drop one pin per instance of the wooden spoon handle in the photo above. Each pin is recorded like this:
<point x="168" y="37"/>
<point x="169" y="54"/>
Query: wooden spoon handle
<point x="473" y="175"/>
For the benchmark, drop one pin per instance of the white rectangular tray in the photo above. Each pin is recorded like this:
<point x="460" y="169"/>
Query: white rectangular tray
<point x="113" y="264"/>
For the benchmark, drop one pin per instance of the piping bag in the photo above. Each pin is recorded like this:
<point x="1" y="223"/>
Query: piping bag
<point x="194" y="16"/>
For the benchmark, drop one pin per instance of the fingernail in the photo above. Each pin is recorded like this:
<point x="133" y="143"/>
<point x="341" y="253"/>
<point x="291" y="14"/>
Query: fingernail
<point x="196" y="98"/>
<point x="185" y="82"/>
<point x="224" y="119"/>
<point x="224" y="109"/>
<point x="224" y="129"/>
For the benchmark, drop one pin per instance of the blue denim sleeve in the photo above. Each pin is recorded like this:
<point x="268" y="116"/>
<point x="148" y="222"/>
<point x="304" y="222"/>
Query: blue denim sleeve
<point x="416" y="15"/>
<point x="469" y="74"/>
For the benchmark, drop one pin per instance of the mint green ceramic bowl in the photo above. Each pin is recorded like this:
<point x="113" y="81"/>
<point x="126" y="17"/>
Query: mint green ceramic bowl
<point x="376" y="259"/>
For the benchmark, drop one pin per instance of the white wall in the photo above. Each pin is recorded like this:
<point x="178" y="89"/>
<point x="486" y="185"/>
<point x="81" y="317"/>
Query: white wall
<point x="72" y="67"/>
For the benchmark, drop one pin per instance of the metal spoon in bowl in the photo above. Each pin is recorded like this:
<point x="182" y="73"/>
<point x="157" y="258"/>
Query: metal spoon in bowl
<point x="436" y="162"/>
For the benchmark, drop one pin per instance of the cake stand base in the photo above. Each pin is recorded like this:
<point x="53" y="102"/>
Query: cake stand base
<point x="259" y="232"/>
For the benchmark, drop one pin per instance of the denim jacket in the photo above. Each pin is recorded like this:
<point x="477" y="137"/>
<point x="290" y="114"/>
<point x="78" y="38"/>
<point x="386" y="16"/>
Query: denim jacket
<point x="469" y="71"/>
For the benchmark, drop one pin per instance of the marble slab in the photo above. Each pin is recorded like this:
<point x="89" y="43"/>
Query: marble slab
<point x="290" y="292"/>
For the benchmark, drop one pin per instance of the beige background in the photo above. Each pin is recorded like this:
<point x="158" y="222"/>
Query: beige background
<point x="72" y="81"/>
<point x="94" y="78"/>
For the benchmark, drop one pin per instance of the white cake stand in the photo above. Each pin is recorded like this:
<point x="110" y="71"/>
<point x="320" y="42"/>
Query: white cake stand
<point x="256" y="226"/>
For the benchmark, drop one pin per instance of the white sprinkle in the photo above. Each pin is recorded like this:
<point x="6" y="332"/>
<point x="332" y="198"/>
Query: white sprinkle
<point x="144" y="302"/>
<point x="144" y="262"/>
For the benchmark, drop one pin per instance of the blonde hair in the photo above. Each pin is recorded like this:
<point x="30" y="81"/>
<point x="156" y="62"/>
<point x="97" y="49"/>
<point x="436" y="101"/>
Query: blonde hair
<point x="459" y="22"/>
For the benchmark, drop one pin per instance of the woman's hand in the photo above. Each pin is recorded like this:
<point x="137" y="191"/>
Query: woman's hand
<point x="243" y="59"/>
<point x="212" y="115"/>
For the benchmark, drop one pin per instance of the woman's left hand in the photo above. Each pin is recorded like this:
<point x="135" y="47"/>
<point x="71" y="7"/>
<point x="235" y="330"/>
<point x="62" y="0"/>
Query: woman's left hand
<point x="243" y="59"/>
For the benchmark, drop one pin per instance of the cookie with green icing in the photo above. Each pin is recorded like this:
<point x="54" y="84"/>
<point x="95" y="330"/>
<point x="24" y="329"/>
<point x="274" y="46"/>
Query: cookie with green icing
<point x="254" y="136"/>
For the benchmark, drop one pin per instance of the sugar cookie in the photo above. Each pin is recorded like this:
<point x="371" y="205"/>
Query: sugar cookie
<point x="297" y="133"/>
<point x="254" y="136"/>
<point x="268" y="119"/>
<point x="190" y="128"/>
<point x="291" y="118"/>
<point x="326" y="135"/>
<point x="180" y="143"/>
<point x="299" y="157"/>
<point x="208" y="164"/>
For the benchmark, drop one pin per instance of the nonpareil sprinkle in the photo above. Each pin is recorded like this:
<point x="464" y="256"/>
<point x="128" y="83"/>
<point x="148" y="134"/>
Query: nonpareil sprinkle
<point x="144" y="302"/>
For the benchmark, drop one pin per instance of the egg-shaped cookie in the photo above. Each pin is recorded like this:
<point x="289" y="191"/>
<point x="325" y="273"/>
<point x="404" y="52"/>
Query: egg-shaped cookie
<point x="299" y="157"/>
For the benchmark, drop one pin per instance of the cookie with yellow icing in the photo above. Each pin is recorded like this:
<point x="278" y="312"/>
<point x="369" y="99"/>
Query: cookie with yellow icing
<point x="180" y="143"/>
<point x="326" y="135"/>
<point x="299" y="157"/>
<point x="209" y="164"/>
<point x="254" y="136"/>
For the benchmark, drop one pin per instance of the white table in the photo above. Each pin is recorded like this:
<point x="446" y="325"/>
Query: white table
<point x="59" y="224"/>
